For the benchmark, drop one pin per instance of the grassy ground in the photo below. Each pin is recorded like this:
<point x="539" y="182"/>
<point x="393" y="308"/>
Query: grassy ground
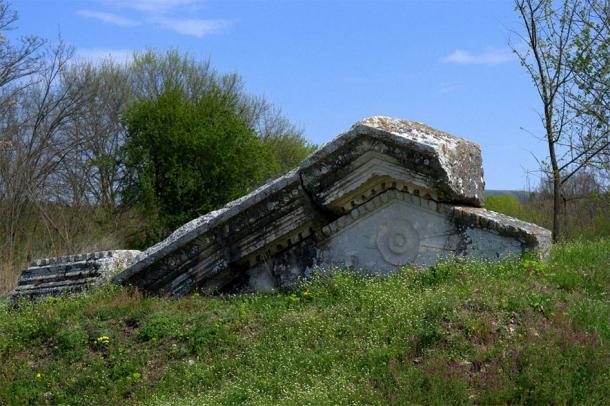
<point x="517" y="332"/>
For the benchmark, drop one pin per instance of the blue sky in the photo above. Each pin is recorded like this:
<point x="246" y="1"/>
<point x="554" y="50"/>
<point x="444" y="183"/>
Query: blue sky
<point x="327" y="64"/>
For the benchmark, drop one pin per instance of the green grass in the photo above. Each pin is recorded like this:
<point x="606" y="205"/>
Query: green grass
<point x="521" y="331"/>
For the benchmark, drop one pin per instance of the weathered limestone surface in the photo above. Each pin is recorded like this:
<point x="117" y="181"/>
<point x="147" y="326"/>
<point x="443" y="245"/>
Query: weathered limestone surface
<point x="384" y="194"/>
<point x="447" y="168"/>
<point x="397" y="228"/>
<point x="54" y="276"/>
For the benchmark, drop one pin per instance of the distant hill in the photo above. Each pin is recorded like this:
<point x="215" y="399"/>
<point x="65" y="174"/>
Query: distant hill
<point x="521" y="195"/>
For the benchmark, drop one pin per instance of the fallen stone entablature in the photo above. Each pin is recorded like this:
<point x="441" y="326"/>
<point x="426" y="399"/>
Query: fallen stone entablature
<point x="385" y="194"/>
<point x="74" y="273"/>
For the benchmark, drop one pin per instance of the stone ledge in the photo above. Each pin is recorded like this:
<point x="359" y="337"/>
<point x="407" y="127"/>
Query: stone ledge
<point x="71" y="258"/>
<point x="535" y="238"/>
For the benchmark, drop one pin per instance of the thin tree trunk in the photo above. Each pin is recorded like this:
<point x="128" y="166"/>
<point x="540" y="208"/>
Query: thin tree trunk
<point x="550" y="137"/>
<point x="556" y="206"/>
<point x="556" y="183"/>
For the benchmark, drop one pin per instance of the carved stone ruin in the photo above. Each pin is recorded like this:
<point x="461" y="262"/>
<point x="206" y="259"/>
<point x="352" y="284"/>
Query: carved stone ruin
<point x="54" y="276"/>
<point x="385" y="194"/>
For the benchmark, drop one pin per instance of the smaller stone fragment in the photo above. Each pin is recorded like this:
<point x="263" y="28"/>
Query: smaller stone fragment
<point x="55" y="276"/>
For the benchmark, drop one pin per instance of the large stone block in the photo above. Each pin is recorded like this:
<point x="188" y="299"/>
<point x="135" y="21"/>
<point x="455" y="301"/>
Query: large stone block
<point x="380" y="153"/>
<point x="384" y="194"/>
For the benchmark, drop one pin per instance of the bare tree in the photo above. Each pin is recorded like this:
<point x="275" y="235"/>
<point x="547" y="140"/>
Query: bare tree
<point x="93" y="172"/>
<point x="36" y="101"/>
<point x="558" y="50"/>
<point x="16" y="61"/>
<point x="35" y="145"/>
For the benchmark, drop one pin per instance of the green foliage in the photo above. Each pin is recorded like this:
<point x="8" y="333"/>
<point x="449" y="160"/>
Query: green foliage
<point x="288" y="150"/>
<point x="515" y="332"/>
<point x="186" y="157"/>
<point x="71" y="342"/>
<point x="582" y="218"/>
<point x="507" y="204"/>
<point x="160" y="326"/>
<point x="592" y="259"/>
<point x="152" y="73"/>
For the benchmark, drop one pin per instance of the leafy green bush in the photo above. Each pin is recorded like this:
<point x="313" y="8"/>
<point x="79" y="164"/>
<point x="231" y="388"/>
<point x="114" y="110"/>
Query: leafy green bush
<point x="187" y="157"/>
<point x="71" y="341"/>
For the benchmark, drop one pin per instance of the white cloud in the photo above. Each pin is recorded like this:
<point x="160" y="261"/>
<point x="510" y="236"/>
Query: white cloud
<point x="168" y="14"/>
<point x="97" y="55"/>
<point x="191" y="26"/>
<point x="108" y="18"/>
<point x="151" y="6"/>
<point x="490" y="57"/>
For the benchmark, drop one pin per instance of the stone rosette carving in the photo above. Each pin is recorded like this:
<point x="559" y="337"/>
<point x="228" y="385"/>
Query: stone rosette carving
<point x="398" y="242"/>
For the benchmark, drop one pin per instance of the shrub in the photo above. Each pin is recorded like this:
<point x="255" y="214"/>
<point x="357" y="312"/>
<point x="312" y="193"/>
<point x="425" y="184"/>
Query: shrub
<point x="187" y="157"/>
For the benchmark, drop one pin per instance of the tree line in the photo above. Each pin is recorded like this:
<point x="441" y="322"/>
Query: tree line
<point x="585" y="204"/>
<point x="99" y="155"/>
